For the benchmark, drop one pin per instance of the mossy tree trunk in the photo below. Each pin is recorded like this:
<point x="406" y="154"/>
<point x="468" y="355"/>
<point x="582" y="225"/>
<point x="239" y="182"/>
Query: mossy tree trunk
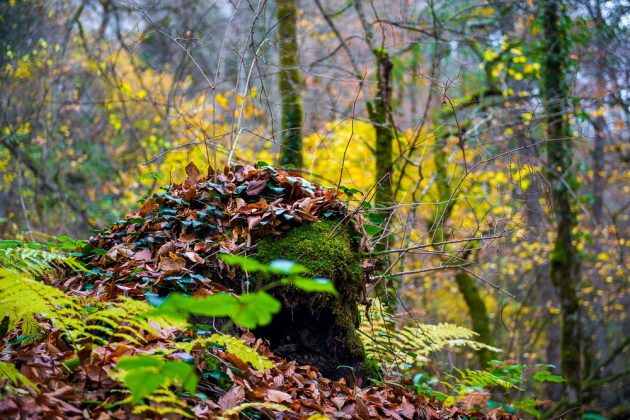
<point x="319" y="329"/>
<point x="379" y="112"/>
<point x="466" y="284"/>
<point x="289" y="80"/>
<point x="478" y="312"/>
<point x="564" y="262"/>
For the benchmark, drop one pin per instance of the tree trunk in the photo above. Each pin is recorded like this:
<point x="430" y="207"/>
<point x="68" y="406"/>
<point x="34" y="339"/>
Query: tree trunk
<point x="465" y="282"/>
<point x="289" y="85"/>
<point x="563" y="261"/>
<point x="478" y="314"/>
<point x="379" y="111"/>
<point x="599" y="124"/>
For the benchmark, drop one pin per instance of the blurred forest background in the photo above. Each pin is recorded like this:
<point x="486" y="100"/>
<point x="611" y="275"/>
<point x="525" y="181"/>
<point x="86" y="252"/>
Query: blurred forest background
<point x="490" y="136"/>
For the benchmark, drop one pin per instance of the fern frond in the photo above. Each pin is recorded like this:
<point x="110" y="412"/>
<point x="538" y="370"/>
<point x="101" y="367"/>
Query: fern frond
<point x="27" y="258"/>
<point x="482" y="379"/>
<point x="240" y="349"/>
<point x="235" y="411"/>
<point x="407" y="345"/>
<point x="121" y="320"/>
<point x="21" y="298"/>
<point x="165" y="404"/>
<point x="233" y="345"/>
<point x="473" y="345"/>
<point x="8" y="372"/>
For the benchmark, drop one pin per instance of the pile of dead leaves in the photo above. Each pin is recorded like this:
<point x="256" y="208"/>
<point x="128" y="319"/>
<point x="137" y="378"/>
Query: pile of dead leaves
<point x="172" y="242"/>
<point x="171" y="245"/>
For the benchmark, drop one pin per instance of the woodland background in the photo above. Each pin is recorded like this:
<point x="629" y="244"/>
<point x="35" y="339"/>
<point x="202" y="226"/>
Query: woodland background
<point x="489" y="138"/>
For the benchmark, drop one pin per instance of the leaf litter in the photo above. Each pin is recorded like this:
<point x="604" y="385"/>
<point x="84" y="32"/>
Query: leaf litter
<point x="171" y="244"/>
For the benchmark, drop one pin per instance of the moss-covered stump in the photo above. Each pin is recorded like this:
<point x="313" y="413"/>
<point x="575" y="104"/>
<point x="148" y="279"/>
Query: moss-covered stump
<point x="319" y="328"/>
<point x="171" y="245"/>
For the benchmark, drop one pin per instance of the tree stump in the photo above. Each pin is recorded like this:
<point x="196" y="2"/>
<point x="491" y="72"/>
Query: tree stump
<point x="319" y="329"/>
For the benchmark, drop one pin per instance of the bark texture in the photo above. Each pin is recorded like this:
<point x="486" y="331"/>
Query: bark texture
<point x="379" y="111"/>
<point x="289" y="79"/>
<point x="563" y="261"/>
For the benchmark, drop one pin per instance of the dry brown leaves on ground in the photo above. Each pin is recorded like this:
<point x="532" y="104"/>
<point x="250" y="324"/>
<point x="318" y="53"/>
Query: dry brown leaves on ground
<point x="169" y="245"/>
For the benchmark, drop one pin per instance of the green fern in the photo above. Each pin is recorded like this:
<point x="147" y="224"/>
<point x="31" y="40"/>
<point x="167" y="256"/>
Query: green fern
<point x="236" y="411"/>
<point x="481" y="379"/>
<point x="9" y="373"/>
<point x="21" y="298"/>
<point x="232" y="345"/>
<point x="33" y="259"/>
<point x="162" y="402"/>
<point x="241" y="350"/>
<point x="409" y="345"/>
<point x="111" y="321"/>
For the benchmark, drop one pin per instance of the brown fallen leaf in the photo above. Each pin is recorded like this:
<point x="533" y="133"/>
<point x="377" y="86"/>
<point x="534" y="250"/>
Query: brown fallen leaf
<point x="194" y="257"/>
<point x="165" y="249"/>
<point x="187" y="238"/>
<point x="144" y="255"/>
<point x="277" y="396"/>
<point x="193" y="175"/>
<point x="172" y="263"/>
<point x="232" y="398"/>
<point x="256" y="187"/>
<point x="148" y="206"/>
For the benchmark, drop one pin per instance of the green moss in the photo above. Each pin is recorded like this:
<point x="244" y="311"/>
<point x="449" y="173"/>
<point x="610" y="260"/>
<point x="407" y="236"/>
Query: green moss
<point x="372" y="370"/>
<point x="558" y="256"/>
<point x="324" y="253"/>
<point x="328" y="250"/>
<point x="478" y="314"/>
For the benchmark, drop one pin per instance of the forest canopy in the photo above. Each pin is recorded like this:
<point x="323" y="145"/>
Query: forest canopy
<point x="314" y="209"/>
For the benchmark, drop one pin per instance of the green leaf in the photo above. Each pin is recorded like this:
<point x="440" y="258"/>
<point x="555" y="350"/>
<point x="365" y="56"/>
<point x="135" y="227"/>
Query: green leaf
<point x="246" y="263"/>
<point x="179" y="306"/>
<point x="376" y="218"/>
<point x="593" y="416"/>
<point x="372" y="230"/>
<point x="286" y="267"/>
<point x="143" y="383"/>
<point x="256" y="310"/>
<point x="139" y="362"/>
<point x="183" y="373"/>
<point x="175" y="306"/>
<point x="220" y="304"/>
<point x="350" y="191"/>
<point x="249" y="311"/>
<point x="314" y="285"/>
<point x="546" y="376"/>
<point x="527" y="406"/>
<point x="144" y="375"/>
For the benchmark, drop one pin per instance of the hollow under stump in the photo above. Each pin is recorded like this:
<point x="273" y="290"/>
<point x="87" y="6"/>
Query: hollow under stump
<point x="319" y="329"/>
